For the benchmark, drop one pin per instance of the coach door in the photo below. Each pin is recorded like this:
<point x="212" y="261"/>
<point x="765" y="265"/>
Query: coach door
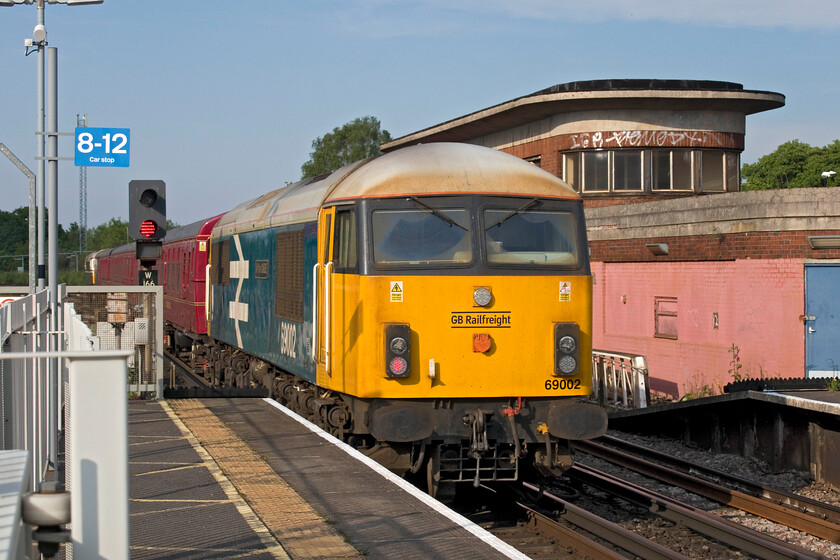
<point x="322" y="293"/>
<point x="822" y="320"/>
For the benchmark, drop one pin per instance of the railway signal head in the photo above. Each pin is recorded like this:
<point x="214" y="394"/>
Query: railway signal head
<point x="147" y="210"/>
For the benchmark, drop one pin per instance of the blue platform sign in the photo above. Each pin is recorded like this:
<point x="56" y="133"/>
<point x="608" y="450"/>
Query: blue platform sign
<point x="102" y="147"/>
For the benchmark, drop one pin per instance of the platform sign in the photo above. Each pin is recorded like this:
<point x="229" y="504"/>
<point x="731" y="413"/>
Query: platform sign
<point x="102" y="147"/>
<point x="147" y="277"/>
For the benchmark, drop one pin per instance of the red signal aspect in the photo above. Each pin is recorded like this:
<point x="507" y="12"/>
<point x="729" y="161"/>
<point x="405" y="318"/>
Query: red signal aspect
<point x="148" y="228"/>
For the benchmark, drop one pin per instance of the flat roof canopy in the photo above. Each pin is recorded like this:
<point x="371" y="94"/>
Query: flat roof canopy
<point x="595" y="95"/>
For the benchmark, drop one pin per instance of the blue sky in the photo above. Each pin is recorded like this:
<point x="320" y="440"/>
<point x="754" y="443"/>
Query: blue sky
<point x="223" y="99"/>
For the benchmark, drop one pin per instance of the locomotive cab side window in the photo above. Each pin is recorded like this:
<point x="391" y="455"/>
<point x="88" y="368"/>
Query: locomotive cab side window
<point x="345" y="253"/>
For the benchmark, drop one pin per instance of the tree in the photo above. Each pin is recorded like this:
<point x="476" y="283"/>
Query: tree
<point x="14" y="232"/>
<point x="113" y="233"/>
<point x="355" y="140"/>
<point x="794" y="164"/>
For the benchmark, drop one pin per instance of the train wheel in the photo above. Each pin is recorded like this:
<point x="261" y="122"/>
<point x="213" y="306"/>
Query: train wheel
<point x="443" y="491"/>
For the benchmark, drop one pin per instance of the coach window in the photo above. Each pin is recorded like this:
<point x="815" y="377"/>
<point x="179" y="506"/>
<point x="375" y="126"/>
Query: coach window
<point x="344" y="252"/>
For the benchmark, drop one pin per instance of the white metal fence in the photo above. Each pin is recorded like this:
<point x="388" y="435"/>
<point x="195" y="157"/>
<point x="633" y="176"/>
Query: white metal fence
<point x="90" y="410"/>
<point x="620" y="380"/>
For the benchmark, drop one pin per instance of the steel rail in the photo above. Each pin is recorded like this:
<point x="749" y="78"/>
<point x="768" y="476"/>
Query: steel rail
<point x="583" y="547"/>
<point x="802" y="514"/>
<point x="728" y="532"/>
<point x="609" y="531"/>
<point x="185" y="367"/>
<point x="795" y="501"/>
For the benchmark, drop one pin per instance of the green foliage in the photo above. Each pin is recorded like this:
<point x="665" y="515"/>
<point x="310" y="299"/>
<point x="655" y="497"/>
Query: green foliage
<point x="14" y="237"/>
<point x="833" y="384"/>
<point x="735" y="363"/>
<point x="697" y="388"/>
<point x="356" y="140"/>
<point x="112" y="233"/>
<point x="794" y="164"/>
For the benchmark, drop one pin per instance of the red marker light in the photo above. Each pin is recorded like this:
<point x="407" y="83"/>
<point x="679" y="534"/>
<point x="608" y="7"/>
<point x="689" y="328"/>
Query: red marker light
<point x="148" y="228"/>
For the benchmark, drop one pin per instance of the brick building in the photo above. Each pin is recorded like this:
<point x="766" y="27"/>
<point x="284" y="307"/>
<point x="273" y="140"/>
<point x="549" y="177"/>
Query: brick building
<point x="705" y="281"/>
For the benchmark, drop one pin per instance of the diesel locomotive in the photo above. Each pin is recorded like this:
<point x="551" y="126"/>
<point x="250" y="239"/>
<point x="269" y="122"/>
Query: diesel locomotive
<point x="431" y="306"/>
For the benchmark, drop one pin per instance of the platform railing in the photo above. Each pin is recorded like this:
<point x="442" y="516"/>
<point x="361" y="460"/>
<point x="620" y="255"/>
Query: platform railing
<point x="28" y="394"/>
<point x="620" y="380"/>
<point x="91" y="413"/>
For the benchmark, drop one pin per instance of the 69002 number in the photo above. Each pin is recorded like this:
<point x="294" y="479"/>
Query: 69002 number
<point x="555" y="384"/>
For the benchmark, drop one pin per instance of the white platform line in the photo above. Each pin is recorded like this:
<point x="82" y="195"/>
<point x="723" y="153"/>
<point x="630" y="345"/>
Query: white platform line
<point x="456" y="518"/>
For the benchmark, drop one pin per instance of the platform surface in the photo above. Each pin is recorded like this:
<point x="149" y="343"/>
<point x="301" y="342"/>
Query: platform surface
<point x="237" y="478"/>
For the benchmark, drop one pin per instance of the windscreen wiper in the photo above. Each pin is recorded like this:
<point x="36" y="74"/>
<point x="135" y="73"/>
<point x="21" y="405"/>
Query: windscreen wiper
<point x="437" y="212"/>
<point x="522" y="208"/>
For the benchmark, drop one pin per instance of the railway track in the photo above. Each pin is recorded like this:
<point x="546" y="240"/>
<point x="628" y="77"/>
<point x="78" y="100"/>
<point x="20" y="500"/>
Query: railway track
<point x="534" y="530"/>
<point x="548" y="526"/>
<point x="193" y="385"/>
<point x="684" y="516"/>
<point x="797" y="512"/>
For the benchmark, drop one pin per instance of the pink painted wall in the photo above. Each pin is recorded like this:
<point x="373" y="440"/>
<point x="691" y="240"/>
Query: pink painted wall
<point x="758" y="302"/>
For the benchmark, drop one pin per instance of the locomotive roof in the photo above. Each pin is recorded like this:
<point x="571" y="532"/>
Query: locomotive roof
<point x="191" y="230"/>
<point x="425" y="169"/>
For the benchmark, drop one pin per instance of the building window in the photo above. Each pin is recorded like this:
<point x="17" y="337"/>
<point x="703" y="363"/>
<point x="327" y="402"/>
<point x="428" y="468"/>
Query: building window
<point x="733" y="171"/>
<point x="571" y="170"/>
<point x="665" y="317"/>
<point x="602" y="171"/>
<point x="671" y="170"/>
<point x="712" y="171"/>
<point x="627" y="170"/>
<point x="596" y="171"/>
<point x="536" y="160"/>
<point x="682" y="174"/>
<point x="660" y="170"/>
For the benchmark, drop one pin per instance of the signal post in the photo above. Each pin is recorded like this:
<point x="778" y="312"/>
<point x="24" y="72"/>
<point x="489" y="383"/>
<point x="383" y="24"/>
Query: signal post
<point x="147" y="225"/>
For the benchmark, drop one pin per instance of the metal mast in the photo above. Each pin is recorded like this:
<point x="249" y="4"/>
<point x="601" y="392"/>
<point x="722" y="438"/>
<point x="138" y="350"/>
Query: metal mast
<point x="81" y="120"/>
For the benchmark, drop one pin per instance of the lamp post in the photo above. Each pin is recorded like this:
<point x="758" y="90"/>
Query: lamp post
<point x="39" y="42"/>
<point x="826" y="175"/>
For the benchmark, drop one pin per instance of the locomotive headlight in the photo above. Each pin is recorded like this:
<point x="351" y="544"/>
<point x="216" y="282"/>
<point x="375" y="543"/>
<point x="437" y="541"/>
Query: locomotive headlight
<point x="397" y="350"/>
<point x="566" y="348"/>
<point x="398" y="345"/>
<point x="566" y="365"/>
<point x="482" y="296"/>
<point x="567" y="344"/>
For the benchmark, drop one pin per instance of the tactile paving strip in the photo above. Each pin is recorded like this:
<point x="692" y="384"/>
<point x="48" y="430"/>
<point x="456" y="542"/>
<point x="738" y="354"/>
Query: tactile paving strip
<point x="299" y="529"/>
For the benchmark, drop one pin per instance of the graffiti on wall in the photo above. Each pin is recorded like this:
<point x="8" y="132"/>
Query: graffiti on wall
<point x="652" y="139"/>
